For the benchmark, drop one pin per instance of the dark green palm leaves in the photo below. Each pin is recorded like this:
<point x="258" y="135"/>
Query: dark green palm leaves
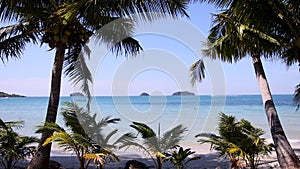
<point x="253" y="27"/>
<point x="153" y="143"/>
<point x="180" y="158"/>
<point x="156" y="142"/>
<point x="84" y="136"/>
<point x="238" y="140"/>
<point x="297" y="96"/>
<point x="14" y="147"/>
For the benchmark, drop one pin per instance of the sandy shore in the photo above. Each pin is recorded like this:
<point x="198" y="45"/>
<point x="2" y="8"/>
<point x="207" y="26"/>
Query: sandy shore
<point x="209" y="159"/>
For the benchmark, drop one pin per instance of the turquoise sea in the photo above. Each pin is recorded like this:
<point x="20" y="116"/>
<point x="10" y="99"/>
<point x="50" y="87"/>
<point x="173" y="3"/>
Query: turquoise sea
<point x="197" y="113"/>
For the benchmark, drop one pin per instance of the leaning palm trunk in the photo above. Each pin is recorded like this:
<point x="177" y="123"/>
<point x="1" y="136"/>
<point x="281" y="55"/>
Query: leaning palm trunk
<point x="42" y="156"/>
<point x="285" y="154"/>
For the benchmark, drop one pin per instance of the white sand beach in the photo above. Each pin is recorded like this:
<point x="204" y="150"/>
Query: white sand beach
<point x="209" y="159"/>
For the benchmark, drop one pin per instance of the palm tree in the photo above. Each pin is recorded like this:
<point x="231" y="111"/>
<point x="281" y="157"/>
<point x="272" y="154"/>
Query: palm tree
<point x="65" y="26"/>
<point x="238" y="139"/>
<point x="257" y="28"/>
<point x="78" y="140"/>
<point x="152" y="143"/>
<point x="180" y="158"/>
<point x="14" y="147"/>
<point x="93" y="128"/>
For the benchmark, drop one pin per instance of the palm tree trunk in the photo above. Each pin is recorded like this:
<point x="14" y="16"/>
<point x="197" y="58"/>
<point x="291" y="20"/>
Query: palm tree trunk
<point x="285" y="154"/>
<point x="159" y="162"/>
<point x="42" y="156"/>
<point x="82" y="166"/>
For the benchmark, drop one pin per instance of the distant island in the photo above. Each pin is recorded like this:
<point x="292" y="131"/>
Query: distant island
<point x="76" y="94"/>
<point x="144" y="94"/>
<point x="2" y="94"/>
<point x="183" y="93"/>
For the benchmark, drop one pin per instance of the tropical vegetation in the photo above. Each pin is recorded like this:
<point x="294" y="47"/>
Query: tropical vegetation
<point x="77" y="139"/>
<point x="154" y="144"/>
<point x="66" y="26"/>
<point x="95" y="128"/>
<point x="14" y="147"/>
<point x="263" y="28"/>
<point x="179" y="157"/>
<point x="257" y="28"/>
<point x="238" y="140"/>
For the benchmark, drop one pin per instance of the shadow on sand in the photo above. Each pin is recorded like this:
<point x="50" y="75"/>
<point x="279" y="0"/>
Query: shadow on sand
<point x="207" y="161"/>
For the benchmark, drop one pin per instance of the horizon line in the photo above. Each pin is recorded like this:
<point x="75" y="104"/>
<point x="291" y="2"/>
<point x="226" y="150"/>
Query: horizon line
<point x="243" y="94"/>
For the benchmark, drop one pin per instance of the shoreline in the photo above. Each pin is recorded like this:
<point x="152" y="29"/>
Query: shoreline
<point x="209" y="159"/>
<point x="197" y="119"/>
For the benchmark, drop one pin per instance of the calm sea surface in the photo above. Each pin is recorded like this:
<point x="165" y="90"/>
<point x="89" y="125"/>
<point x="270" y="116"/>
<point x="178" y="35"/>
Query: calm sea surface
<point x="197" y="113"/>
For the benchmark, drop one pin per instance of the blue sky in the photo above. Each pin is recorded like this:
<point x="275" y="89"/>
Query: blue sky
<point x="161" y="69"/>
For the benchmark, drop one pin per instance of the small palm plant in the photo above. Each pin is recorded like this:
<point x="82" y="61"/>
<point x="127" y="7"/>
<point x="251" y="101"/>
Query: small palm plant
<point x="180" y="158"/>
<point x="14" y="147"/>
<point x="152" y="143"/>
<point x="238" y="140"/>
<point x="94" y="128"/>
<point x="77" y="139"/>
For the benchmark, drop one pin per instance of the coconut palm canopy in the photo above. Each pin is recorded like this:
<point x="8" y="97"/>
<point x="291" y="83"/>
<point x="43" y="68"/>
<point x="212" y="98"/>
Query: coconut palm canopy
<point x="264" y="28"/>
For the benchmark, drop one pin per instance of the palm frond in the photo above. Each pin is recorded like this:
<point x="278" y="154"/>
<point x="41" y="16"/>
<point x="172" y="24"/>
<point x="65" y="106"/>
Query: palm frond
<point x="192" y="159"/>
<point x="97" y="158"/>
<point x="24" y="141"/>
<point x="71" y="120"/>
<point x="209" y="135"/>
<point x="72" y="113"/>
<point x="172" y="137"/>
<point x="107" y="138"/>
<point x="11" y="124"/>
<point x="296" y="98"/>
<point x="125" y="140"/>
<point x="14" y="147"/>
<point x="107" y="120"/>
<point x="197" y="72"/>
<point x="79" y="74"/>
<point x="128" y="140"/>
<point x="234" y="149"/>
<point x="238" y="139"/>
<point x="128" y="46"/>
<point x="117" y="35"/>
<point x="218" y="3"/>
<point x="211" y="138"/>
<point x="14" y="38"/>
<point x="143" y="129"/>
<point x="49" y="127"/>
<point x="83" y="141"/>
<point x="238" y="32"/>
<point x="146" y="9"/>
<point x="180" y="158"/>
<point x="12" y="10"/>
<point x="231" y="40"/>
<point x="63" y="139"/>
<point x="110" y="154"/>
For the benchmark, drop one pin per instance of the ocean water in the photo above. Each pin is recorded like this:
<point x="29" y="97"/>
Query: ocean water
<point x="197" y="113"/>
